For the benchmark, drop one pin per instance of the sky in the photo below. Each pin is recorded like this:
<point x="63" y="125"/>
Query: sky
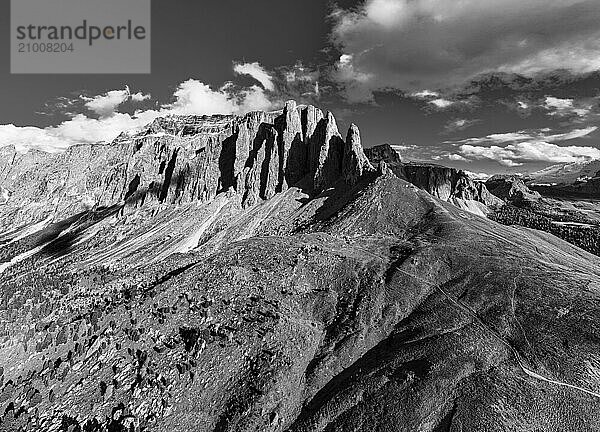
<point x="488" y="86"/>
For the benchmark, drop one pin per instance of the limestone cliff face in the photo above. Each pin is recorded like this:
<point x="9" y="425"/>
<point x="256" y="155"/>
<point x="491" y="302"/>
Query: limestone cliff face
<point x="385" y="153"/>
<point x="372" y="307"/>
<point x="511" y="189"/>
<point x="181" y="159"/>
<point x="354" y="161"/>
<point x="447" y="184"/>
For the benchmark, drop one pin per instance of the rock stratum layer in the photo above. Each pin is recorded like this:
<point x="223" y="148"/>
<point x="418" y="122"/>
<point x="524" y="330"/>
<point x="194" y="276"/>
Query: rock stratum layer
<point x="229" y="291"/>
<point x="447" y="184"/>
<point x="178" y="160"/>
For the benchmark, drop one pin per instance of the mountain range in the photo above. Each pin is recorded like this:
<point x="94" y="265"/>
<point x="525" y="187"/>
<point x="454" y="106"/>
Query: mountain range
<point x="569" y="173"/>
<point x="264" y="273"/>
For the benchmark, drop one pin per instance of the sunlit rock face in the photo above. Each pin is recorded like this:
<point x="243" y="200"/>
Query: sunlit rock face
<point x="447" y="184"/>
<point x="182" y="159"/>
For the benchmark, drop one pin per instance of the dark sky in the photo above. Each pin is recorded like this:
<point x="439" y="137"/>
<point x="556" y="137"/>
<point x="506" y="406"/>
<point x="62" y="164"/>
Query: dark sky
<point x="190" y="39"/>
<point x="497" y="97"/>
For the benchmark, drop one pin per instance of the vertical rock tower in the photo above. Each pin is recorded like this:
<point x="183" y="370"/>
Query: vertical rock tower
<point x="181" y="159"/>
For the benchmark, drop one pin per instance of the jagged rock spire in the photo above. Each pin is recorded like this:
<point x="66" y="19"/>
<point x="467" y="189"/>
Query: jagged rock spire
<point x="293" y="149"/>
<point x="181" y="159"/>
<point x="354" y="162"/>
<point x="327" y="152"/>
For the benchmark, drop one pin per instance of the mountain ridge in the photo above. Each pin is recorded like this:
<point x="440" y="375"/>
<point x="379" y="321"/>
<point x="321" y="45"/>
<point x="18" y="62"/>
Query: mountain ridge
<point x="183" y="159"/>
<point x="360" y="302"/>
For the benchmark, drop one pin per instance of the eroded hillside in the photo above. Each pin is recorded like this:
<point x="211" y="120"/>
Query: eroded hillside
<point x="250" y="294"/>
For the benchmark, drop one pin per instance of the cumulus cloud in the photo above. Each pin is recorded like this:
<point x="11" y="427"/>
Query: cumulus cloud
<point x="516" y="154"/>
<point x="256" y="71"/>
<point x="195" y="97"/>
<point x="566" y="107"/>
<point x="25" y="138"/>
<point x="438" y="102"/>
<point x="433" y="44"/>
<point x="459" y="124"/>
<point x="523" y="146"/>
<point x="441" y="103"/>
<point x="425" y="94"/>
<point x="478" y="175"/>
<point x="105" y="105"/>
<point x="139" y="97"/>
<point x="191" y="97"/>
<point x="534" y="135"/>
<point x="457" y="158"/>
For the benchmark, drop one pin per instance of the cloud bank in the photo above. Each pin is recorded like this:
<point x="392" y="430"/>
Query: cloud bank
<point x="104" y="122"/>
<point x="106" y="104"/>
<point x="516" y="148"/>
<point x="432" y="44"/>
<point x="539" y="151"/>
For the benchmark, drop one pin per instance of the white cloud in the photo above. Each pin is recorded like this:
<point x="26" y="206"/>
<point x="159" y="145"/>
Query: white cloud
<point x="574" y="134"/>
<point x="539" y="151"/>
<point x="191" y="97"/>
<point x="256" y="71"/>
<point x="356" y="82"/>
<point x="459" y="124"/>
<point x="105" y="105"/>
<point x="441" y="103"/>
<point x="425" y="94"/>
<point x="82" y="129"/>
<point x="578" y="56"/>
<point x="516" y="148"/>
<point x="437" y="100"/>
<point x="458" y="158"/>
<point x="559" y="104"/>
<point x="140" y="97"/>
<point x="25" y="138"/>
<point x="478" y="176"/>
<point x="434" y="44"/>
<point x="565" y="107"/>
<point x="537" y="135"/>
<point x="403" y="147"/>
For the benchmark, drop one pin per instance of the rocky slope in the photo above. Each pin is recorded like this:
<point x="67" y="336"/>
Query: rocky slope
<point x="503" y="198"/>
<point x="447" y="184"/>
<point x="240" y="299"/>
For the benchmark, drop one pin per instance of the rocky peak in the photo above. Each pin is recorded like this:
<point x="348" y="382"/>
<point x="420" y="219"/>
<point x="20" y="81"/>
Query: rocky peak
<point x="325" y="157"/>
<point x="511" y="188"/>
<point x="447" y="184"/>
<point x="383" y="152"/>
<point x="354" y="161"/>
<point x="181" y="159"/>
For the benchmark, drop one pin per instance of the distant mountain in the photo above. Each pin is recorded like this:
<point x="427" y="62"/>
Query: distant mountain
<point x="448" y="184"/>
<point x="511" y="189"/>
<point x="258" y="273"/>
<point x="567" y="174"/>
<point x="580" y="179"/>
